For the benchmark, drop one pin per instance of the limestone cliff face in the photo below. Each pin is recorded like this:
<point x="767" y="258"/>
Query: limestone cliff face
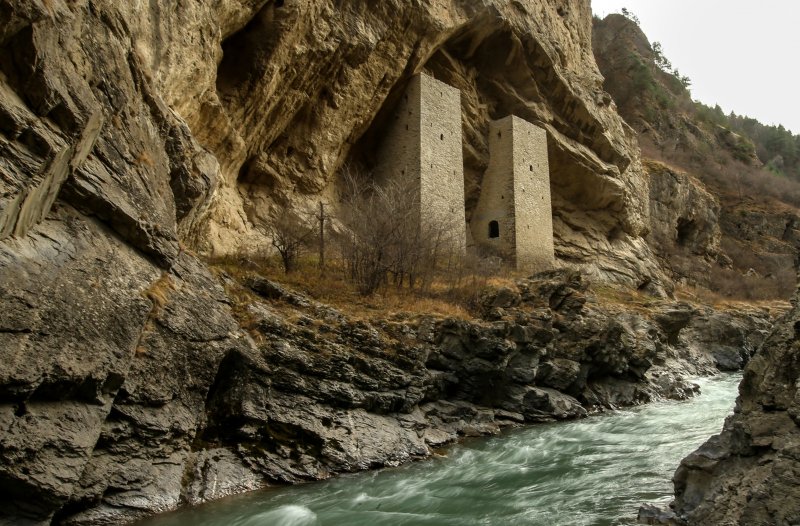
<point x="201" y="121"/>
<point x="685" y="219"/>
<point x="750" y="473"/>
<point x="134" y="135"/>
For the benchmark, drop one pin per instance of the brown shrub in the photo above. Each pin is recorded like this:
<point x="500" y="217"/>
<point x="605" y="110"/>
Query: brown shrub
<point x="159" y="291"/>
<point x="754" y="275"/>
<point x="384" y="240"/>
<point x="732" y="284"/>
<point x="727" y="177"/>
<point x="291" y="235"/>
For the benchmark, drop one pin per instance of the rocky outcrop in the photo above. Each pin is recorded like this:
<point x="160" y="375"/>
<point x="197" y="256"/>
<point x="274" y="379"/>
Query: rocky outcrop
<point x="108" y="363"/>
<point x="684" y="218"/>
<point x="748" y="474"/>
<point x="189" y="400"/>
<point x="729" y="337"/>
<point x="379" y="393"/>
<point x="322" y="393"/>
<point x="322" y="118"/>
<point x="197" y="127"/>
<point x="652" y="101"/>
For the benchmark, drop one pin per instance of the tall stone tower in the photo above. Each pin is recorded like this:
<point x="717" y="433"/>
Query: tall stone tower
<point x="423" y="146"/>
<point x="513" y="217"/>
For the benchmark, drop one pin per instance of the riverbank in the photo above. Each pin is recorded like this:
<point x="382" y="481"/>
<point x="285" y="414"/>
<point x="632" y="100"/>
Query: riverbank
<point x="588" y="472"/>
<point x="283" y="388"/>
<point x="322" y="392"/>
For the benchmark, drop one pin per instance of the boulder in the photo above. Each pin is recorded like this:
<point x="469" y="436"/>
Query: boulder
<point x="750" y="473"/>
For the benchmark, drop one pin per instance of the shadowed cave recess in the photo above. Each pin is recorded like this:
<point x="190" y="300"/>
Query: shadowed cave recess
<point x="292" y="152"/>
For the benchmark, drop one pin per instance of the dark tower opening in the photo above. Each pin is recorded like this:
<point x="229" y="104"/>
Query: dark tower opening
<point x="494" y="229"/>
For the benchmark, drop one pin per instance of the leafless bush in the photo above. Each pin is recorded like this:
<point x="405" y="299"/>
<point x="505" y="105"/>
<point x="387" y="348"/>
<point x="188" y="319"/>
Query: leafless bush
<point x="755" y="275"/>
<point x="290" y="236"/>
<point x="733" y="284"/>
<point x="385" y="242"/>
<point x="726" y="175"/>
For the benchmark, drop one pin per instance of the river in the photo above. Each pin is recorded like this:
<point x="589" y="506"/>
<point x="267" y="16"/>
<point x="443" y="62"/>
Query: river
<point x="595" y="471"/>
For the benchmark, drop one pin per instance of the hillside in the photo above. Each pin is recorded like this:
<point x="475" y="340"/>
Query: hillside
<point x="749" y="169"/>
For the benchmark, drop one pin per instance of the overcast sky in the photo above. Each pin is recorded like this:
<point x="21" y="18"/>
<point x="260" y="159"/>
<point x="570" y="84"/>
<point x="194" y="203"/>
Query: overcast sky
<point x="740" y="54"/>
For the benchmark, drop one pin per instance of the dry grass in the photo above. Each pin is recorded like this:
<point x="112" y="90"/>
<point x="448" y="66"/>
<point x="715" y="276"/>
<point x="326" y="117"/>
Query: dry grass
<point x="394" y="304"/>
<point x="158" y="292"/>
<point x="333" y="288"/>
<point x="701" y="296"/>
<point x="629" y="298"/>
<point x="736" y="286"/>
<point x="144" y="159"/>
<point x="441" y="299"/>
<point x="444" y="298"/>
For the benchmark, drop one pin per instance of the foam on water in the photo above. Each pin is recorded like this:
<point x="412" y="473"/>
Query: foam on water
<point x="596" y="471"/>
<point x="288" y="515"/>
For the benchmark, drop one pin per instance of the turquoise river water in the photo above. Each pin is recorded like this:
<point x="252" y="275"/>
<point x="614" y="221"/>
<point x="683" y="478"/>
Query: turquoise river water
<point x="595" y="471"/>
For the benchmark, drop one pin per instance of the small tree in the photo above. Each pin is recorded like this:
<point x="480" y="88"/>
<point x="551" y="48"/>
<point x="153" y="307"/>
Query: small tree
<point x="385" y="240"/>
<point x="662" y="62"/>
<point x="290" y="237"/>
<point x="630" y="16"/>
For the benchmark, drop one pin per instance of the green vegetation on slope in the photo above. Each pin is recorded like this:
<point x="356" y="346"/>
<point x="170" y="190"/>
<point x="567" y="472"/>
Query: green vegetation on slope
<point x="766" y="150"/>
<point x="751" y="169"/>
<point x="775" y="146"/>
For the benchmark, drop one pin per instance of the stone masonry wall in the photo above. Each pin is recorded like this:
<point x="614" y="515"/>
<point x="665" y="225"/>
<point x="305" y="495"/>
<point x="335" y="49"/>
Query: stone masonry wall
<point x="533" y="209"/>
<point x="442" y="172"/>
<point x="400" y="150"/>
<point x="496" y="201"/>
<point x="516" y="193"/>
<point x="423" y="145"/>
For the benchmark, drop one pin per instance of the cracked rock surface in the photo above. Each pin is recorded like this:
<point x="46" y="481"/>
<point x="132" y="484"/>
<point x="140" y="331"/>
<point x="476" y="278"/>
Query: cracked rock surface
<point x="750" y="472"/>
<point x="134" y="135"/>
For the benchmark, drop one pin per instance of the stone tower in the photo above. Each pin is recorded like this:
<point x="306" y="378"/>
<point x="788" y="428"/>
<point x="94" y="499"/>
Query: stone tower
<point x="423" y="145"/>
<point x="513" y="217"/>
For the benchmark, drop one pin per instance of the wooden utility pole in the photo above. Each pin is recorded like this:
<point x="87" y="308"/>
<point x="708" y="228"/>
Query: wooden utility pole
<point x="321" y="218"/>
